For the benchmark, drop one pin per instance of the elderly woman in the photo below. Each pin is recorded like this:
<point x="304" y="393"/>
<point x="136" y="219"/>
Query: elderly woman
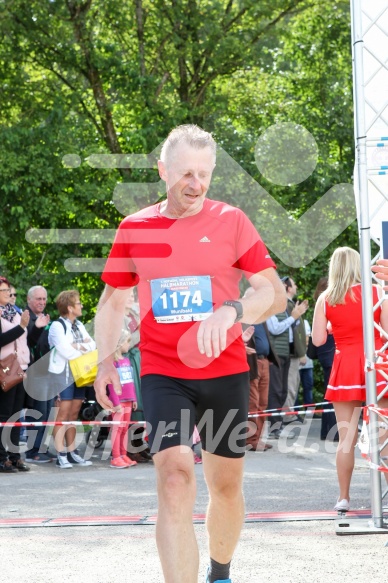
<point x="339" y="309"/>
<point x="12" y="329"/>
<point x="69" y="339"/>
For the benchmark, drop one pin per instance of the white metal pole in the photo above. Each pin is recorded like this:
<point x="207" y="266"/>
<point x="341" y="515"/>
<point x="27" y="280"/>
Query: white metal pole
<point x="364" y="231"/>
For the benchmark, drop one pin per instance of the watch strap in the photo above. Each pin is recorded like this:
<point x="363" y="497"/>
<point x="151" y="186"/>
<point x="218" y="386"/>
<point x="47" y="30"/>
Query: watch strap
<point x="237" y="306"/>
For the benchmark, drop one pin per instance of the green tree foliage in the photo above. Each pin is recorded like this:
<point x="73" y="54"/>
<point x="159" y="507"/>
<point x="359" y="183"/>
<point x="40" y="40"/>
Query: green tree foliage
<point x="82" y="77"/>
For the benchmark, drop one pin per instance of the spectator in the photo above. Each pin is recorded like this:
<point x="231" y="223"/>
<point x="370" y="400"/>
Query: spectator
<point x="196" y="441"/>
<point x="69" y="339"/>
<point x="12" y="299"/>
<point x="12" y="329"/>
<point x="36" y="303"/>
<point x="124" y="404"/>
<point x="38" y="389"/>
<point x="306" y="373"/>
<point x="325" y="356"/>
<point x="297" y="346"/>
<point x="259" y="355"/>
<point x="340" y="307"/>
<point x="138" y="450"/>
<point x="282" y="339"/>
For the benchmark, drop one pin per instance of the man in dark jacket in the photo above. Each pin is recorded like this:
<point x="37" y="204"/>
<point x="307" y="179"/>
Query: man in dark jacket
<point x="37" y="381"/>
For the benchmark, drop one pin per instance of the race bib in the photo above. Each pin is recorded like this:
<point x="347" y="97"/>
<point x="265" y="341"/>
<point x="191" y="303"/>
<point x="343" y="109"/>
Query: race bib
<point x="125" y="374"/>
<point x="186" y="298"/>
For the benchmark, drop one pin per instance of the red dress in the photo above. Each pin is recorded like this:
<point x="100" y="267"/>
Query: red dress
<point x="347" y="378"/>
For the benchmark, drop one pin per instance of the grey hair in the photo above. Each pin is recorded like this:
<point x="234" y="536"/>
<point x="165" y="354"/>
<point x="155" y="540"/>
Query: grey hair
<point x="189" y="134"/>
<point x="30" y="292"/>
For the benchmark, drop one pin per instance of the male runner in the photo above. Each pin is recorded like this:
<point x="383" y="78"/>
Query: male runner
<point x="187" y="255"/>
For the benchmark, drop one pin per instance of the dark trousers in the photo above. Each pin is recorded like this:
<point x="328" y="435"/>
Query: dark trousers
<point x="307" y="382"/>
<point x="42" y="403"/>
<point x="10" y="403"/>
<point x="328" y="419"/>
<point x="278" y="388"/>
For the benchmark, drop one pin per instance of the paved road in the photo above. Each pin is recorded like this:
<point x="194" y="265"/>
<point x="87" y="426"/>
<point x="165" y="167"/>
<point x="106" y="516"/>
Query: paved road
<point x="297" y="475"/>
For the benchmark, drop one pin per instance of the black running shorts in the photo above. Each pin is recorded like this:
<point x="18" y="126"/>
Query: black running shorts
<point x="219" y="408"/>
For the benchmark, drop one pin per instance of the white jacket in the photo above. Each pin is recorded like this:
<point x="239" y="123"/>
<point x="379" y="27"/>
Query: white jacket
<point x="61" y="343"/>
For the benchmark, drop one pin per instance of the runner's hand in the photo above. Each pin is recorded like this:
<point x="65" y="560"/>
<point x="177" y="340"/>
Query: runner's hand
<point x="381" y="270"/>
<point x="212" y="332"/>
<point x="107" y="375"/>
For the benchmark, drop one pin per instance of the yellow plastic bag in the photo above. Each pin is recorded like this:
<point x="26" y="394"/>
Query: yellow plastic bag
<point x="84" y="368"/>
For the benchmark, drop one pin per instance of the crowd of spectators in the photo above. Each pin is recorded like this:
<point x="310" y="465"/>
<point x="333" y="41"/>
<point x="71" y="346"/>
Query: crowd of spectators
<point x="276" y="352"/>
<point x="49" y="392"/>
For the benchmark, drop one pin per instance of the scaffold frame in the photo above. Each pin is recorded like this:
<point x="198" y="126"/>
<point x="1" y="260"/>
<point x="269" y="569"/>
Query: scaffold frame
<point x="369" y="23"/>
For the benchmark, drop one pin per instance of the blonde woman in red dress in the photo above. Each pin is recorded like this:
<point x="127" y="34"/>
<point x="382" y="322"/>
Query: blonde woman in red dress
<point x="339" y="308"/>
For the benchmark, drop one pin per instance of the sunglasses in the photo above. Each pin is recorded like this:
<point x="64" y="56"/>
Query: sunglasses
<point x="13" y="295"/>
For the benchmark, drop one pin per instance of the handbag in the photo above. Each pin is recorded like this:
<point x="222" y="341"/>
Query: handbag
<point x="311" y="350"/>
<point x="84" y="368"/>
<point x="11" y="373"/>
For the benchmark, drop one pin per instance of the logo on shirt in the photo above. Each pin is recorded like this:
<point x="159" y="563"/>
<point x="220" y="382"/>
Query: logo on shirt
<point x="204" y="240"/>
<point x="170" y="434"/>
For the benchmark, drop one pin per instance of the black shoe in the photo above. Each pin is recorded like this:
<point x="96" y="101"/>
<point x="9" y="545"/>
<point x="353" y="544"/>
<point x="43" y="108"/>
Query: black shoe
<point x="275" y="434"/>
<point x="138" y="458"/>
<point x="290" y="421"/>
<point x="20" y="465"/>
<point x="7" y="467"/>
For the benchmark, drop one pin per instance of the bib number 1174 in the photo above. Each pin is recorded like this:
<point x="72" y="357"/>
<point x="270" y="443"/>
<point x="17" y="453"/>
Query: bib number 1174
<point x="182" y="298"/>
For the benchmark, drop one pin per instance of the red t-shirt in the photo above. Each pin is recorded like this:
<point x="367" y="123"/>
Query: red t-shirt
<point x="220" y="244"/>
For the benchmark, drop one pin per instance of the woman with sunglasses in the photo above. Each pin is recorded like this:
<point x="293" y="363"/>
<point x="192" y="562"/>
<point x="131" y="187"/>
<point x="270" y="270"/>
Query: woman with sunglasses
<point x="12" y="299"/>
<point x="13" y="328"/>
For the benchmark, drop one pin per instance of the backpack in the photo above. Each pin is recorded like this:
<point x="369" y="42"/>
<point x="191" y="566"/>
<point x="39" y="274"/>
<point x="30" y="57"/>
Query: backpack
<point x="42" y="346"/>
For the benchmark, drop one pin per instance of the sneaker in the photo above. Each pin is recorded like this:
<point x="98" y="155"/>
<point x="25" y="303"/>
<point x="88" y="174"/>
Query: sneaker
<point x="119" y="463"/>
<point x="38" y="458"/>
<point x="218" y="580"/>
<point x="7" y="467"/>
<point x="197" y="459"/>
<point x="74" y="458"/>
<point x="20" y="465"/>
<point x="63" y="462"/>
<point x="129" y="461"/>
<point x="342" y="505"/>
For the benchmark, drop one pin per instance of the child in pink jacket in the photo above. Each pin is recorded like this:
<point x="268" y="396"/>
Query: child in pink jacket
<point x="126" y="403"/>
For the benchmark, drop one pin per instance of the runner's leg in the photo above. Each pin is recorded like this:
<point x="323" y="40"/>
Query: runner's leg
<point x="175" y="535"/>
<point x="225" y="514"/>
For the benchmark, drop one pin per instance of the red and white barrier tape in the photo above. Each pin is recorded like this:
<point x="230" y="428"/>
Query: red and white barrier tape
<point x="76" y="423"/>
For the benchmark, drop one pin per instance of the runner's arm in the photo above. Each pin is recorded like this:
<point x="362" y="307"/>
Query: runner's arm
<point x="269" y="298"/>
